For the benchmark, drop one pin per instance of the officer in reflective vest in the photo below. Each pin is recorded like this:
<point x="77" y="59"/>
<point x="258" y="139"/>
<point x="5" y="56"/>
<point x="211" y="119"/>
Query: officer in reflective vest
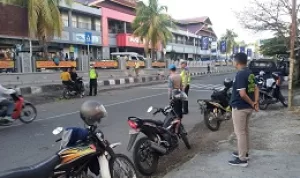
<point x="186" y="79"/>
<point x="93" y="80"/>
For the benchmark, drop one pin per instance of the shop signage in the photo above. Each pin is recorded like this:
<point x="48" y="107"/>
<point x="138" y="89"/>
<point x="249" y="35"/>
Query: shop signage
<point x="134" y="40"/>
<point x="7" y="64"/>
<point x="51" y="64"/>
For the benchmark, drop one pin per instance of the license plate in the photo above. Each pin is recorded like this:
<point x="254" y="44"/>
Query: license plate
<point x="132" y="131"/>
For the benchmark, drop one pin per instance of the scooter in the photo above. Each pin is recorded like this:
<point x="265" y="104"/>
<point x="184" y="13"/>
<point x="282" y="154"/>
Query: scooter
<point x="22" y="110"/>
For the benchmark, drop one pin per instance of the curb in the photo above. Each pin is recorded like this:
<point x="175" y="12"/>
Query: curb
<point x="32" y="90"/>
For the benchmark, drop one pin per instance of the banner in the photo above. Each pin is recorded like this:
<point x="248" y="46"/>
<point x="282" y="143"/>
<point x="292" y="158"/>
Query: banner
<point x="249" y="52"/>
<point x="7" y="64"/>
<point x="51" y="64"/>
<point x="205" y="43"/>
<point x="235" y="49"/>
<point x="223" y="47"/>
<point x="242" y="49"/>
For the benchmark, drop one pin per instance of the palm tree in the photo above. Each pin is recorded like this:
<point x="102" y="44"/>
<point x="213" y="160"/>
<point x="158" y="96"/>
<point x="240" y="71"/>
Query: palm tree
<point x="152" y="25"/>
<point x="44" y="18"/>
<point x="229" y="37"/>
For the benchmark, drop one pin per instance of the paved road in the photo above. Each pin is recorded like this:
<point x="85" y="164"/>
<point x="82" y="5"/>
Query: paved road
<point x="27" y="144"/>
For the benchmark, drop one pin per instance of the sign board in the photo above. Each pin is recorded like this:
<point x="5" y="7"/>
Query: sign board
<point x="242" y="49"/>
<point x="249" y="52"/>
<point x="6" y="64"/>
<point x="88" y="38"/>
<point x="223" y="47"/>
<point x="205" y="43"/>
<point x="51" y="64"/>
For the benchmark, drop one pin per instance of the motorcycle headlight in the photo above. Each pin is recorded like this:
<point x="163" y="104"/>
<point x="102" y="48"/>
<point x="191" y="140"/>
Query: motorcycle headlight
<point x="65" y="139"/>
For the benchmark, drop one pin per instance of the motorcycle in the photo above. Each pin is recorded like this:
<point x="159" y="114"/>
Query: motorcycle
<point x="270" y="93"/>
<point x="76" y="89"/>
<point x="24" y="110"/>
<point x="217" y="109"/>
<point x="161" y="138"/>
<point x="81" y="150"/>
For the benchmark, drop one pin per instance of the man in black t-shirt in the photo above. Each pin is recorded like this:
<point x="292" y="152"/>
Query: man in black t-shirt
<point x="244" y="99"/>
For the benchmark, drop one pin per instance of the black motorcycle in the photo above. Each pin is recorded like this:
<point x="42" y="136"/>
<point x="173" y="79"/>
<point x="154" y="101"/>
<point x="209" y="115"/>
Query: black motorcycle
<point x="270" y="93"/>
<point x="161" y="138"/>
<point x="77" y="89"/>
<point x="217" y="109"/>
<point x="81" y="150"/>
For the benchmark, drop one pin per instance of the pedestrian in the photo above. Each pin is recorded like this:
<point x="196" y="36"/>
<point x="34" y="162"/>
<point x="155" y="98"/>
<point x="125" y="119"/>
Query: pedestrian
<point x="208" y="68"/>
<point x="244" y="100"/>
<point x="137" y="67"/>
<point x="175" y="86"/>
<point x="93" y="80"/>
<point x="186" y="79"/>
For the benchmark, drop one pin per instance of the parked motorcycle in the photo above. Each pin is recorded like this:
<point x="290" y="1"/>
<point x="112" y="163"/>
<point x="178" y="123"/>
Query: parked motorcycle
<point x="24" y="110"/>
<point x="76" y="89"/>
<point x="217" y="109"/>
<point x="80" y="150"/>
<point x="270" y="93"/>
<point x="161" y="138"/>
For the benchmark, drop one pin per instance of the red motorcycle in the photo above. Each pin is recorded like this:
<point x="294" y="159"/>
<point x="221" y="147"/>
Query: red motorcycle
<point x="24" y="110"/>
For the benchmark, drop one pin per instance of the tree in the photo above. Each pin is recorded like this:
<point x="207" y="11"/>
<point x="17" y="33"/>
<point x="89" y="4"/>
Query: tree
<point x="229" y="37"/>
<point x="152" y="25"/>
<point x="44" y="18"/>
<point x="273" y="46"/>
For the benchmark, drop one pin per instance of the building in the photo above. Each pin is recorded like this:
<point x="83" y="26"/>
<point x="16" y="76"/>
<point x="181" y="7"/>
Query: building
<point x="109" y="23"/>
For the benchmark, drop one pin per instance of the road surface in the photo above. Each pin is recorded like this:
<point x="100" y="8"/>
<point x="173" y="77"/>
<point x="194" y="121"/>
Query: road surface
<point x="23" y="145"/>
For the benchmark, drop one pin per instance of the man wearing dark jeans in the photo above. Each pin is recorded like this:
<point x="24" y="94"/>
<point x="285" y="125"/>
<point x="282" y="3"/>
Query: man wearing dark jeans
<point x="93" y="81"/>
<point x="244" y="100"/>
<point x="186" y="79"/>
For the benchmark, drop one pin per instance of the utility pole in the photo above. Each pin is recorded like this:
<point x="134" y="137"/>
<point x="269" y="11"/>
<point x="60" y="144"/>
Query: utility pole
<point x="292" y="54"/>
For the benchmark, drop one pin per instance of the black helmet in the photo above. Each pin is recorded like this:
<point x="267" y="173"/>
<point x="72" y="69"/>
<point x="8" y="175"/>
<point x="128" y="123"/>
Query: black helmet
<point x="228" y="82"/>
<point x="275" y="75"/>
<point x="91" y="112"/>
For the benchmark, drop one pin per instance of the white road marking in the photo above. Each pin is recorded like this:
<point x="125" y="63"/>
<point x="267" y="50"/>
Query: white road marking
<point x="75" y="112"/>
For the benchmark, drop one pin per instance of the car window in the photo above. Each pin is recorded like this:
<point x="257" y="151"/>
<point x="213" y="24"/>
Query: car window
<point x="263" y="64"/>
<point x="140" y="58"/>
<point x="133" y="58"/>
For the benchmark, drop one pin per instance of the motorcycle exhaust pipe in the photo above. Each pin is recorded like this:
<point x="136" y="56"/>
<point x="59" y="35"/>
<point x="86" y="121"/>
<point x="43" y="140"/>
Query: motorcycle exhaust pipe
<point x="158" y="148"/>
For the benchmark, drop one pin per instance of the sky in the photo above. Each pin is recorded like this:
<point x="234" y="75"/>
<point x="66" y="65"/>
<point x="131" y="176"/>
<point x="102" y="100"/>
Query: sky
<point x="220" y="12"/>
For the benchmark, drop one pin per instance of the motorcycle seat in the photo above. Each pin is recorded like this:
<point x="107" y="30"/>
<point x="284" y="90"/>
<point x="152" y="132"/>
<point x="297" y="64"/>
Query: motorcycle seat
<point x="42" y="169"/>
<point x="156" y="122"/>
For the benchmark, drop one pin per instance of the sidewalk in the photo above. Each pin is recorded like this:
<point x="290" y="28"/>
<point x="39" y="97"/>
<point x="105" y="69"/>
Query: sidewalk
<point x="275" y="148"/>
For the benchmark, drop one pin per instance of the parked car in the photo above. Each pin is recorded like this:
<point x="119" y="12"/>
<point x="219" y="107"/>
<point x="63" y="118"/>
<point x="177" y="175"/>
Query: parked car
<point x="266" y="65"/>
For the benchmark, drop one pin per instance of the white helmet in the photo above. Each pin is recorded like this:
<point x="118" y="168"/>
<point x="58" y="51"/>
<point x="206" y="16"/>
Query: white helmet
<point x="262" y="73"/>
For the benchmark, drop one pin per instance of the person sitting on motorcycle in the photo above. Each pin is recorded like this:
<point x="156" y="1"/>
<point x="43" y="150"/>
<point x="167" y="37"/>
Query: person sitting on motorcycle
<point x="277" y="93"/>
<point x="66" y="78"/>
<point x="74" y="78"/>
<point x="5" y="102"/>
<point x="175" y="85"/>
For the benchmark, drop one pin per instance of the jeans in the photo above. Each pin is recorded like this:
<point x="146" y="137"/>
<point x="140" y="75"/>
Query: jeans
<point x="241" y="129"/>
<point x="10" y="107"/>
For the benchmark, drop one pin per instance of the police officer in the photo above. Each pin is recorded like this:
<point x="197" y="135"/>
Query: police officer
<point x="93" y="80"/>
<point x="186" y="79"/>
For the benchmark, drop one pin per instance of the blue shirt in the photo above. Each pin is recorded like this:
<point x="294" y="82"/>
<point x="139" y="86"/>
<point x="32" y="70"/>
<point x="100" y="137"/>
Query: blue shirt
<point x="244" y="80"/>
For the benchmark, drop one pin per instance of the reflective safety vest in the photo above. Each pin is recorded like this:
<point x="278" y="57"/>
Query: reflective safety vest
<point x="185" y="77"/>
<point x="93" y="74"/>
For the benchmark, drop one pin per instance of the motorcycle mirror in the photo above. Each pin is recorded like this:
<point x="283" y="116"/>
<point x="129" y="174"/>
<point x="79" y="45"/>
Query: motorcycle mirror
<point x="150" y="109"/>
<point x="57" y="130"/>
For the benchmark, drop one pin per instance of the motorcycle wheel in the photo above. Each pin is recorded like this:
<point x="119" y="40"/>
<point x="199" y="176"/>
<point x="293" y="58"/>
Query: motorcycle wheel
<point x="65" y="94"/>
<point x="141" y="153"/>
<point x="262" y="104"/>
<point x="30" y="114"/>
<point x="184" y="138"/>
<point x="120" y="166"/>
<point x="208" y="123"/>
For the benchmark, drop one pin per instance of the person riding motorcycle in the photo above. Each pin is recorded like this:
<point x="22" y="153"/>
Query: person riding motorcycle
<point x="74" y="77"/>
<point x="5" y="102"/>
<point x="66" y="78"/>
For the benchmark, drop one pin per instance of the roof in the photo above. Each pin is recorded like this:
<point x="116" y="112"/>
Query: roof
<point x="127" y="3"/>
<point x="193" y="20"/>
<point x="85" y="2"/>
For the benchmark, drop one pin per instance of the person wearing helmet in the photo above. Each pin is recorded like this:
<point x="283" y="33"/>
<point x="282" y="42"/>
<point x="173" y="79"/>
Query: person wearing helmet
<point x="186" y="79"/>
<point x="244" y="100"/>
<point x="228" y="83"/>
<point x="92" y="112"/>
<point x="175" y="86"/>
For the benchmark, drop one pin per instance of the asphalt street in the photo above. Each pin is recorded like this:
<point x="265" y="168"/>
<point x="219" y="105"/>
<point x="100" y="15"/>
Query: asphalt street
<point x="23" y="145"/>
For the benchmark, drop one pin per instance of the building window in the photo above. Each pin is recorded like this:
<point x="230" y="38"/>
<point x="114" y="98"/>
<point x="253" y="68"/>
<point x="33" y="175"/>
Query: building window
<point x="115" y="26"/>
<point x="65" y="19"/>
<point x="98" y="25"/>
<point x="74" y="21"/>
